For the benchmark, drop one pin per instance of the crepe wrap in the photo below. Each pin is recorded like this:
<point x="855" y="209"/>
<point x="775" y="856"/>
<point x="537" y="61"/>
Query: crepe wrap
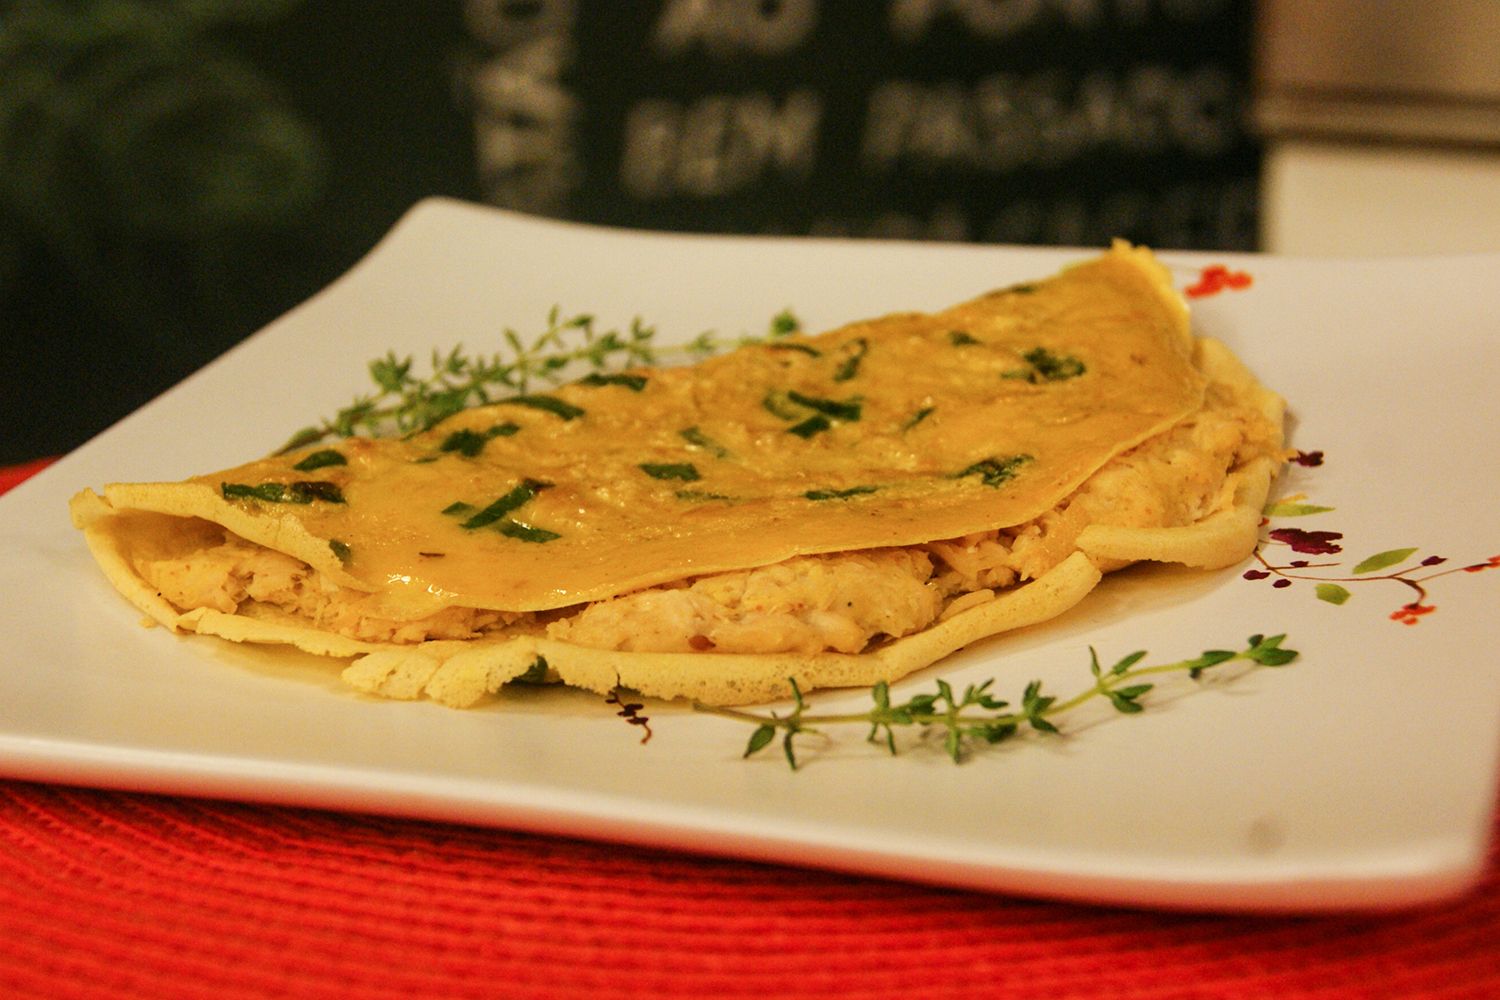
<point x="888" y="433"/>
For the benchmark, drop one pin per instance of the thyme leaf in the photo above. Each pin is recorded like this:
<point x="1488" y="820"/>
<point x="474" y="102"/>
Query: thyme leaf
<point x="784" y="324"/>
<point x="968" y="720"/>
<point x="405" y="402"/>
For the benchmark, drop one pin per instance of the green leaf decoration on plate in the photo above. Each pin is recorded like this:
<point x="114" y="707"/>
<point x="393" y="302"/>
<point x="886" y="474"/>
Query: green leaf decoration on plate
<point x="1291" y="509"/>
<point x="1381" y="560"/>
<point x="1332" y="593"/>
<point x="1331" y="580"/>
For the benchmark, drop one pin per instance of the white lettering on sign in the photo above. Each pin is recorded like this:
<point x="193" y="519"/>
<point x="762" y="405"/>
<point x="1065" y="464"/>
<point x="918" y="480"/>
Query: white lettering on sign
<point x="725" y="27"/>
<point x="910" y="20"/>
<point x="523" y="115"/>
<point x="499" y="24"/>
<point x="717" y="144"/>
<point x="1006" y="122"/>
<point x="1216" y="213"/>
<point x="1207" y="213"/>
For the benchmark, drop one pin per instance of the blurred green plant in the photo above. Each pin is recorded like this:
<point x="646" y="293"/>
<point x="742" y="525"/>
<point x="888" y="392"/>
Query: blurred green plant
<point x="124" y="125"/>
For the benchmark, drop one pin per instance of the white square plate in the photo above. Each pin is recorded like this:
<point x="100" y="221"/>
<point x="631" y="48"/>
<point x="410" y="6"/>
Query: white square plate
<point x="1363" y="775"/>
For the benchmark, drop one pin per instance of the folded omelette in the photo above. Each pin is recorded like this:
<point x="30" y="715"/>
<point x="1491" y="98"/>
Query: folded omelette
<point x="835" y="509"/>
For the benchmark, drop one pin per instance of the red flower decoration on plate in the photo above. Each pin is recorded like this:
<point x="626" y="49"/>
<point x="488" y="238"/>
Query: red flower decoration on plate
<point x="1408" y="614"/>
<point x="1317" y="543"/>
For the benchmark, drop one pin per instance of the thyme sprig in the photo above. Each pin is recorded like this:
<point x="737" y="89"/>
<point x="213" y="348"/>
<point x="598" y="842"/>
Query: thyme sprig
<point x="975" y="717"/>
<point x="406" y="402"/>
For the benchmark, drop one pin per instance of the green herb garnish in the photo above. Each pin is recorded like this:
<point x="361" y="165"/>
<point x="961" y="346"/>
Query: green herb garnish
<point x="815" y="424"/>
<point x="526" y="532"/>
<point x="854" y="351"/>
<point x="995" y="471"/>
<point x="303" y="491"/>
<point x="839" y="409"/>
<point x="523" y="493"/>
<point x="269" y="492"/>
<point x="405" y="403"/>
<point x="793" y="405"/>
<point x="976" y="718"/>
<point x="635" y="383"/>
<point x="684" y="471"/>
<point x="340" y="549"/>
<point x="918" y="417"/>
<point x="853" y="491"/>
<point x="784" y="324"/>
<point x="778" y="405"/>
<point x="961" y="338"/>
<point x="1047" y="367"/>
<point x="535" y="674"/>
<point x="700" y="495"/>
<point x="321" y="459"/>
<point x="308" y="491"/>
<point x="466" y="442"/>
<point x="698" y="439"/>
<point x="470" y="443"/>
<point x="550" y="404"/>
<point x="807" y="349"/>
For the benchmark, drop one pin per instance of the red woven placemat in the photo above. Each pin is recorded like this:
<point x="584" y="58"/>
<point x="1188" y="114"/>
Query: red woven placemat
<point x="111" y="894"/>
<point x="14" y="475"/>
<point x="116" y="894"/>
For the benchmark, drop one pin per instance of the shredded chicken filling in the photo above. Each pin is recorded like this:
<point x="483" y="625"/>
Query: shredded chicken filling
<point x="236" y="573"/>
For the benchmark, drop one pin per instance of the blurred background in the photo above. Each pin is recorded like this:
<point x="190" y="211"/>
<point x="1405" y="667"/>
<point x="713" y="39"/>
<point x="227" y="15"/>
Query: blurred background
<point x="176" y="173"/>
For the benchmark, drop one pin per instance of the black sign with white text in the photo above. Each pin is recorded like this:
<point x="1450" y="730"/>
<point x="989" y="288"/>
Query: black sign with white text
<point x="1020" y="121"/>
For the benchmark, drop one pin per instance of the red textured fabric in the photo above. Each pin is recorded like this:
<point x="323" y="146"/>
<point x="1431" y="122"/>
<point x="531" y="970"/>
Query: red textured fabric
<point x="14" y="475"/>
<point x="107" y="894"/>
<point x="112" y="894"/>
